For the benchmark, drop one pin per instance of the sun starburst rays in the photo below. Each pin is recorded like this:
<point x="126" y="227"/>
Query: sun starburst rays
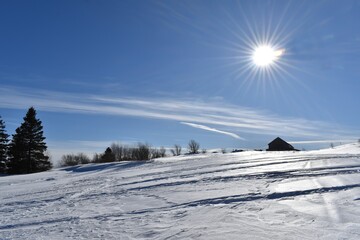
<point x="241" y="31"/>
<point x="244" y="60"/>
<point x="261" y="51"/>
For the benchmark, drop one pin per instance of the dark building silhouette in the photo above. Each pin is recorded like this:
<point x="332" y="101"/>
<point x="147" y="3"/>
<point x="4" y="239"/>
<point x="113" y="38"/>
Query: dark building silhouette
<point x="280" y="145"/>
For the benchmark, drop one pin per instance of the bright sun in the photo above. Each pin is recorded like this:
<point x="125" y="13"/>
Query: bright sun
<point x="265" y="55"/>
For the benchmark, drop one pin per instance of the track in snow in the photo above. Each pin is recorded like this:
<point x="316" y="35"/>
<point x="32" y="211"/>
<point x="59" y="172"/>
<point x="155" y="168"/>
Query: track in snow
<point x="255" y="194"/>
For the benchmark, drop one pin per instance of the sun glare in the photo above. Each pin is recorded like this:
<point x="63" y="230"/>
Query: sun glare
<point x="265" y="55"/>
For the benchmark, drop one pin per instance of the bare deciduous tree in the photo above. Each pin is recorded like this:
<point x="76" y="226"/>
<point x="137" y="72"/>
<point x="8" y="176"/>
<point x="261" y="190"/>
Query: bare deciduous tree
<point x="96" y="158"/>
<point x="142" y="152"/>
<point x="74" y="159"/>
<point x="193" y="147"/>
<point x="176" y="151"/>
<point x="118" y="151"/>
<point x="158" y="153"/>
<point x="162" y="152"/>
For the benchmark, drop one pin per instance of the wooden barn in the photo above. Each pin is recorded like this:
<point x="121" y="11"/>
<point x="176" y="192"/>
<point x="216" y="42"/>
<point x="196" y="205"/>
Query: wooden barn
<point x="280" y="145"/>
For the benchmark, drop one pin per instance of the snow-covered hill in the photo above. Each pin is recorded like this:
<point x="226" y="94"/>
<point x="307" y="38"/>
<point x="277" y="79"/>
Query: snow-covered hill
<point x="248" y="195"/>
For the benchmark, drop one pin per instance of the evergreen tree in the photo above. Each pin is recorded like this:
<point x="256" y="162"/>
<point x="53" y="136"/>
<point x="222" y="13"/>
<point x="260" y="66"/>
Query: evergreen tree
<point x="108" y="156"/>
<point x="27" y="148"/>
<point x="3" y="146"/>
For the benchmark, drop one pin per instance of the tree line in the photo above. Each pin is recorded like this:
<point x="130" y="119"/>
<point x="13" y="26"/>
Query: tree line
<point x="26" y="152"/>
<point x="119" y="152"/>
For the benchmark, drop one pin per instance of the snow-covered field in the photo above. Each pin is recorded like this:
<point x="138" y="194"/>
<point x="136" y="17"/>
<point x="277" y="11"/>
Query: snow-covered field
<point x="248" y="195"/>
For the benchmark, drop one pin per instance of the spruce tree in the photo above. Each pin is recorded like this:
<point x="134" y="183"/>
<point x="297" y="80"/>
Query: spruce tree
<point x="27" y="148"/>
<point x="108" y="156"/>
<point x="3" y="146"/>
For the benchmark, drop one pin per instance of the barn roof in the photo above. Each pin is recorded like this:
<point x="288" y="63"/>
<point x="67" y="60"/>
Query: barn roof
<point x="279" y="140"/>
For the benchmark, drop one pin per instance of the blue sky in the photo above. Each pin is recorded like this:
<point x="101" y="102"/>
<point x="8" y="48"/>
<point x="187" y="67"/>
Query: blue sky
<point x="165" y="72"/>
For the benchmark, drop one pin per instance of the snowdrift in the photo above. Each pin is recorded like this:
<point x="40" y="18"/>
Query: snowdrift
<point x="247" y="195"/>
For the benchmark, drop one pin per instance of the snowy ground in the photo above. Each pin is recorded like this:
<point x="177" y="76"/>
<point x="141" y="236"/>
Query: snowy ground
<point x="248" y="195"/>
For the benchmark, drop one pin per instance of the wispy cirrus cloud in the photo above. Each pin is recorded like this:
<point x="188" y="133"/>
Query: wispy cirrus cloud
<point x="218" y="116"/>
<point x="206" y="128"/>
<point x="324" y="141"/>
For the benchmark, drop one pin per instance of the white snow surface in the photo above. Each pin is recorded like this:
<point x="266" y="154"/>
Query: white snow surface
<point x="247" y="195"/>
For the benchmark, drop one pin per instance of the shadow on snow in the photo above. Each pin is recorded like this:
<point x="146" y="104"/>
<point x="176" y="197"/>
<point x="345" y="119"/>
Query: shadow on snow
<point x="105" y="166"/>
